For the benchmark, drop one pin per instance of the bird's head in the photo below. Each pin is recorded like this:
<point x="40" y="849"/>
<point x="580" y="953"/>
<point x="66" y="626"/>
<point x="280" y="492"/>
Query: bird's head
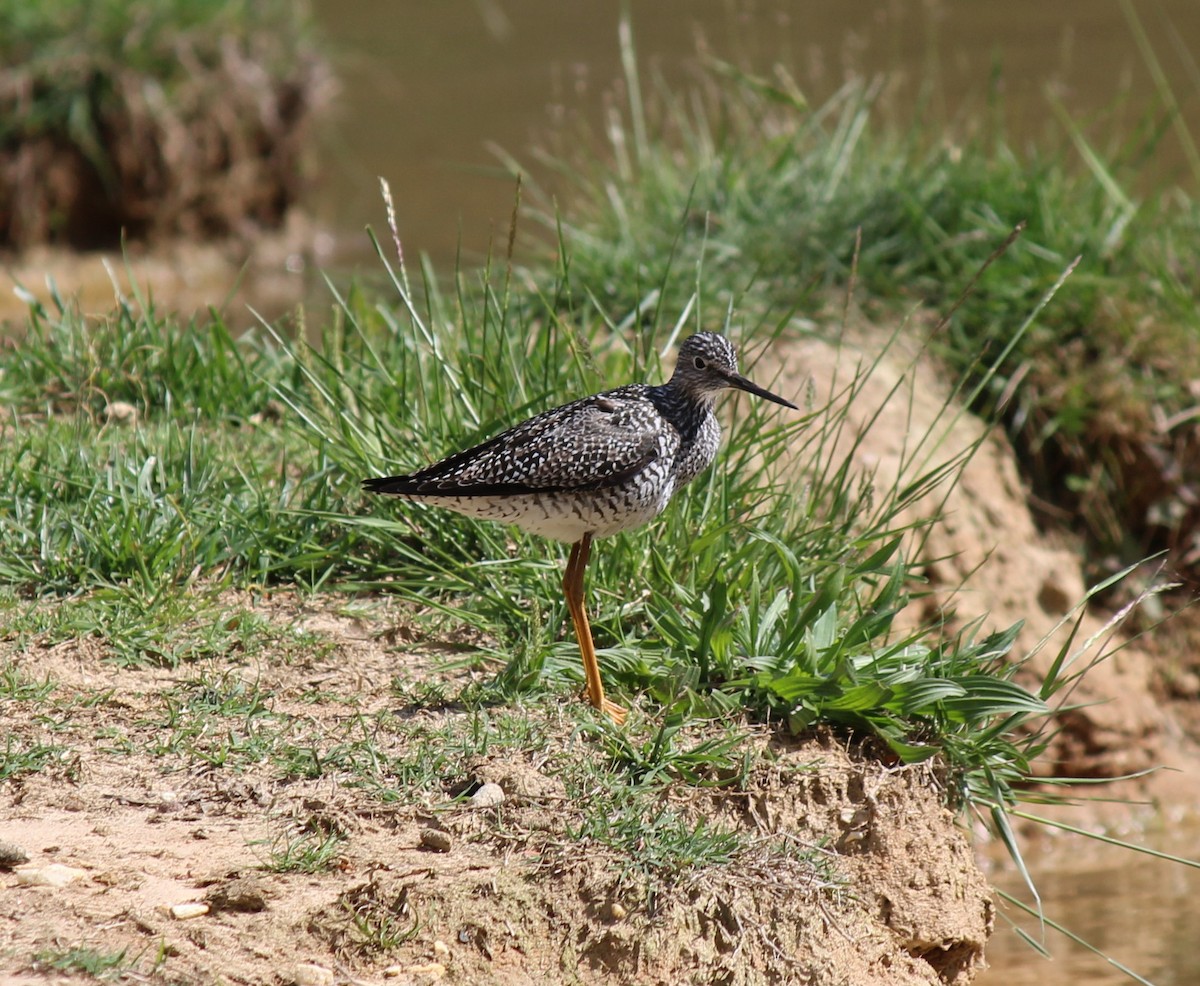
<point x="707" y="364"/>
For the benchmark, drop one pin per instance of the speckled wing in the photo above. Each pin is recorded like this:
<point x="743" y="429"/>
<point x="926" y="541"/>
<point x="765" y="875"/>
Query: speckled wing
<point x="590" y="444"/>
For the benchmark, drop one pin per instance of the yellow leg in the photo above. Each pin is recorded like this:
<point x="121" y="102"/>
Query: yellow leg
<point x="573" y="590"/>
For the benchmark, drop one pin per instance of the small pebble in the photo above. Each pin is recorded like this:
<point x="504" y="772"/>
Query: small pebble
<point x="54" y="875"/>
<point x="1186" y="685"/>
<point x="166" y="800"/>
<point x="436" y="839"/>
<point x="851" y="841"/>
<point x="617" y="911"/>
<point x="441" y="948"/>
<point x="430" y="970"/>
<point x="488" y="795"/>
<point x="192" y="909"/>
<point x="307" y="974"/>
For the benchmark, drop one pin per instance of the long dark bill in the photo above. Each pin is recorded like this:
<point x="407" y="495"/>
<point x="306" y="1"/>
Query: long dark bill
<point x="739" y="381"/>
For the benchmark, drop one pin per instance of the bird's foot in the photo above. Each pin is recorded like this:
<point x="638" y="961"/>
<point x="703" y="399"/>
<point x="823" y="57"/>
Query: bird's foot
<point x="617" y="713"/>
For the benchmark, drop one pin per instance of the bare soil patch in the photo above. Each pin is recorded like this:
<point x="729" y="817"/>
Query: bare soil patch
<point x="846" y="871"/>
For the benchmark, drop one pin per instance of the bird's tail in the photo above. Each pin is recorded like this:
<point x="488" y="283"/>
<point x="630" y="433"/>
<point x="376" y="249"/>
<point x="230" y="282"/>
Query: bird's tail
<point x="393" y="485"/>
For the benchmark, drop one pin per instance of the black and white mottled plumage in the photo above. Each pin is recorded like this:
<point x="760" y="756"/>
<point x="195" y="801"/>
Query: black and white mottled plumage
<point x="598" y="465"/>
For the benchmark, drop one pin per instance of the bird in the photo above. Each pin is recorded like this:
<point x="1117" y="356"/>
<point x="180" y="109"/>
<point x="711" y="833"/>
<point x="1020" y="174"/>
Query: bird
<point x="591" y="468"/>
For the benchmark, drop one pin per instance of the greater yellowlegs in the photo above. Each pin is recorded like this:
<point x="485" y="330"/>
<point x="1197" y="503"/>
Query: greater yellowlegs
<point x="590" y="468"/>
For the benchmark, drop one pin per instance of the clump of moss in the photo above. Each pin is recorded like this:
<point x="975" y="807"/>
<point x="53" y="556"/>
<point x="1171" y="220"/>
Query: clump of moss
<point x="181" y="117"/>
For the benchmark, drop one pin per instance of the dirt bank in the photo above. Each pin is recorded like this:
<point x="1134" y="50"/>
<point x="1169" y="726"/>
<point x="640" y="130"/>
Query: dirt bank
<point x="985" y="557"/>
<point x="313" y="797"/>
<point x="855" y="873"/>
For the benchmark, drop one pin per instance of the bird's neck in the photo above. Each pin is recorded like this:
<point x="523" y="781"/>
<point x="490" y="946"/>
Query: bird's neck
<point x="686" y="411"/>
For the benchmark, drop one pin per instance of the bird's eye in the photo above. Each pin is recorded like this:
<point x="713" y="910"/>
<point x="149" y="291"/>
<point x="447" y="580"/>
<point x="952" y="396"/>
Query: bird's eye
<point x="699" y="363"/>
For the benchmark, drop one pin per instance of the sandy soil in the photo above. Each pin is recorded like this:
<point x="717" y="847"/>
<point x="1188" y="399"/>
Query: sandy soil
<point x="514" y="900"/>
<point x="431" y="888"/>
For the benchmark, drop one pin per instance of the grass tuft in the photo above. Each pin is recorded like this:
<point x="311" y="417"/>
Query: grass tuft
<point x="755" y="186"/>
<point x="305" y="851"/>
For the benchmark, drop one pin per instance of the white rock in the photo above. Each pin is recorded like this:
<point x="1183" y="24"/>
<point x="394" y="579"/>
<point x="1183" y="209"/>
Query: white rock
<point x="53" y="875"/>
<point x="120" y="412"/>
<point x="488" y="795"/>
<point x="190" y="909"/>
<point x="307" y="974"/>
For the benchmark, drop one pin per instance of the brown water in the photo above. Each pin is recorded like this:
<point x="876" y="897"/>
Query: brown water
<point x="429" y="87"/>
<point x="1140" y="911"/>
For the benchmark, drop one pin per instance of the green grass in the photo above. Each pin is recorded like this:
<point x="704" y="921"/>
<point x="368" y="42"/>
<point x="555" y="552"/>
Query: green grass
<point x="195" y="369"/>
<point x="144" y="37"/>
<point x="20" y="758"/>
<point x="302" y="852"/>
<point x="754" y="186"/>
<point x="15" y="686"/>
<point x="89" y="962"/>
<point x="768" y="594"/>
<point x="168" y="629"/>
<point x="379" y="925"/>
<point x="189" y="486"/>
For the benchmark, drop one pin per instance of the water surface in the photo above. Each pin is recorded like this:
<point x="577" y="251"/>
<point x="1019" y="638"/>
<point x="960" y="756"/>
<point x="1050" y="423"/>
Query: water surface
<point x="429" y="87"/>
<point x="1140" y="911"/>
